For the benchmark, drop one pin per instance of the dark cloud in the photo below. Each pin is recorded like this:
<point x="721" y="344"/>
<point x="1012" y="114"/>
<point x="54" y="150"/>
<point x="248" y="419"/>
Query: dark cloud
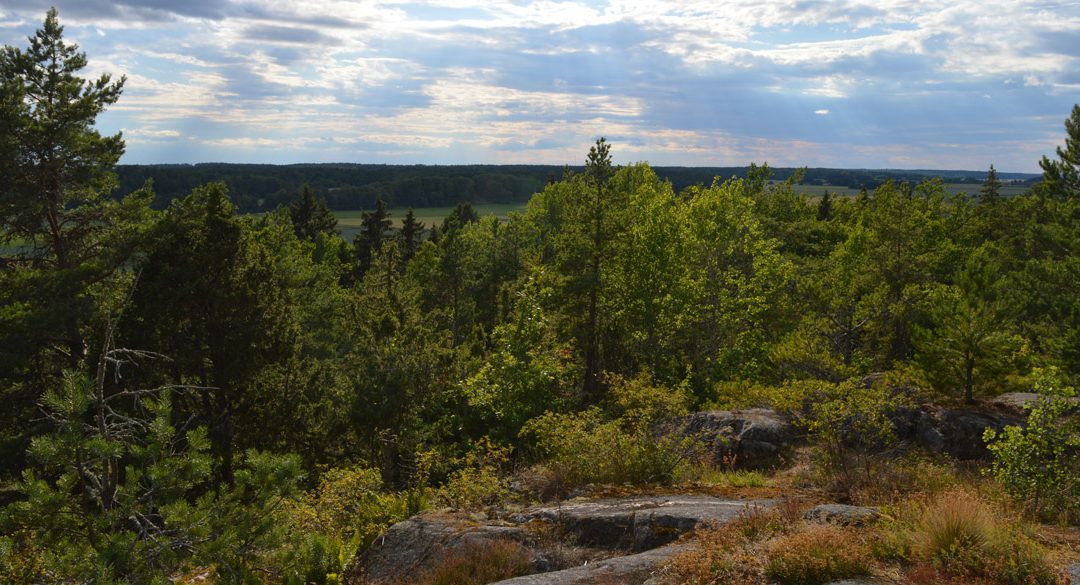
<point x="285" y="34"/>
<point x="140" y="10"/>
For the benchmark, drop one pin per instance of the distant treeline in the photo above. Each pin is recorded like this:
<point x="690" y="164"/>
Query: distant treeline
<point x="258" y="187"/>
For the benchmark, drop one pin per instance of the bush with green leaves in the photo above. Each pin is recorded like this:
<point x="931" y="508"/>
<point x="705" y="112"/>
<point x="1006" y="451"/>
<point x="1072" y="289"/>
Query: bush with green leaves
<point x="479" y="479"/>
<point x="1040" y="464"/>
<point x="851" y="426"/>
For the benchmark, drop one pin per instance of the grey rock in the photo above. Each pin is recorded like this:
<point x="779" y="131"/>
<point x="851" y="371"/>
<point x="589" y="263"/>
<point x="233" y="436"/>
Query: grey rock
<point x="1019" y="402"/>
<point x="958" y="433"/>
<point x="842" y="514"/>
<point x="754" y="438"/>
<point x="963" y="432"/>
<point x="630" y="570"/>
<point x="639" y="523"/>
<point x="1074" y="572"/>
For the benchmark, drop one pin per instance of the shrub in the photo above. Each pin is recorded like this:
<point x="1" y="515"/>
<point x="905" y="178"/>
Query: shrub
<point x="817" y="555"/>
<point x="339" y="518"/>
<point x="584" y="447"/>
<point x="852" y="428"/>
<point x="478" y="480"/>
<point x="1040" y="465"/>
<point x="960" y="535"/>
<point x="477" y="563"/>
<point x="726" y="554"/>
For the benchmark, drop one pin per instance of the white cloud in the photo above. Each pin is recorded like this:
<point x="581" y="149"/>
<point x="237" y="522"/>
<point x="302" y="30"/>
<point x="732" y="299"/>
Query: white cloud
<point x="709" y="80"/>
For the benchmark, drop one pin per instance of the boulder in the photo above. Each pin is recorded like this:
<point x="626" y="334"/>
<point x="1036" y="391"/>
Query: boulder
<point x="842" y="514"/>
<point x="753" y="439"/>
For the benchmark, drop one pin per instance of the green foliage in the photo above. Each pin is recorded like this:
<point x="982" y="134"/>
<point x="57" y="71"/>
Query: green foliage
<point x="852" y="428"/>
<point x="1038" y="464"/>
<point x="479" y="479"/>
<point x="1061" y="177"/>
<point x="526" y="374"/>
<point x="968" y="345"/>
<point x="63" y="239"/>
<point x="310" y="215"/>
<point x="589" y="447"/>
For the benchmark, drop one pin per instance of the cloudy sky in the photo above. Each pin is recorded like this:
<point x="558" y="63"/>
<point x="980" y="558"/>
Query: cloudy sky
<point x="845" y="83"/>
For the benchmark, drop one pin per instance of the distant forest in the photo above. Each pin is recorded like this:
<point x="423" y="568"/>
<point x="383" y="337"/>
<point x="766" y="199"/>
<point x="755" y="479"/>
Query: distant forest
<point x="260" y="187"/>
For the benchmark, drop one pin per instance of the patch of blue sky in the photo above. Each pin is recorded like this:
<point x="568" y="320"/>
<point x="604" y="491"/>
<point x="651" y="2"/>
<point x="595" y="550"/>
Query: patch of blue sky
<point x="436" y="12"/>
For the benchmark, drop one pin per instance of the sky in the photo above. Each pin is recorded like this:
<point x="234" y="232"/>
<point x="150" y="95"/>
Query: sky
<point x="955" y="84"/>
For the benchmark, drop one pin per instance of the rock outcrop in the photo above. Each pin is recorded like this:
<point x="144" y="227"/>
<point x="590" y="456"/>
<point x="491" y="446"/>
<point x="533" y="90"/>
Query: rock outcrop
<point x="754" y="438"/>
<point x="411" y="546"/>
<point x="622" y="539"/>
<point x="635" y="568"/>
<point x="637" y="523"/>
<point x="958" y="433"/>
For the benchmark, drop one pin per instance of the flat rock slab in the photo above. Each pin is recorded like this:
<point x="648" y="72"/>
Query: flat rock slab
<point x="632" y="569"/>
<point x="842" y="514"/>
<point x="638" y="523"/>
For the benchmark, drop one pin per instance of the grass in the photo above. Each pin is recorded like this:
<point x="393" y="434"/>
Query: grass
<point x="349" y="221"/>
<point x="710" y="475"/>
<point x="477" y="563"/>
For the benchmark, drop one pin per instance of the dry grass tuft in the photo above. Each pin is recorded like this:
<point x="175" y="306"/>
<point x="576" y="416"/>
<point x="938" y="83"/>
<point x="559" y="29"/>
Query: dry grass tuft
<point x="817" y="555"/>
<point x="478" y="563"/>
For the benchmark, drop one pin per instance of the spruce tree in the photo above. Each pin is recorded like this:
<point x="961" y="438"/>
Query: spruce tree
<point x="991" y="188"/>
<point x="310" y="215"/>
<point x="824" y="210"/>
<point x="409" y="236"/>
<point x="373" y="227"/>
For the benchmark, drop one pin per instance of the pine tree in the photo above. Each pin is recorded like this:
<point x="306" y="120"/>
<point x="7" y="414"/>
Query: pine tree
<point x="598" y="169"/>
<point x="991" y="188"/>
<point x="310" y="215"/>
<point x="1062" y="177"/>
<point x="57" y="175"/>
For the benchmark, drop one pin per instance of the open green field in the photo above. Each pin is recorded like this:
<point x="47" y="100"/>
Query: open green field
<point x="953" y="188"/>
<point x="349" y="221"/>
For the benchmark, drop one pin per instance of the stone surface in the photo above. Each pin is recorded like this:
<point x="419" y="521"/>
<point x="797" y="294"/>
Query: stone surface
<point x="754" y="438"/>
<point x="958" y="433"/>
<point x="646" y="525"/>
<point x="632" y="569"/>
<point x="842" y="514"/>
<point x="1018" y="402"/>
<point x="637" y="523"/>
<point x="410" y="546"/>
